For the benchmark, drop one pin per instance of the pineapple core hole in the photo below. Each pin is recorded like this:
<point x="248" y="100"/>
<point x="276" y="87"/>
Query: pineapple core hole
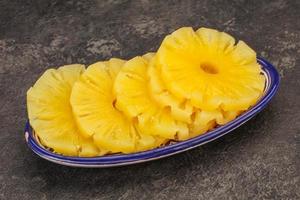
<point x="209" y="68"/>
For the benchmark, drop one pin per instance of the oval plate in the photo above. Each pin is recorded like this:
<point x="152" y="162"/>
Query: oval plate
<point x="272" y="83"/>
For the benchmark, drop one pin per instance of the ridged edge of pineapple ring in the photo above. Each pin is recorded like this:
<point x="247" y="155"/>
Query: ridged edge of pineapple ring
<point x="272" y="84"/>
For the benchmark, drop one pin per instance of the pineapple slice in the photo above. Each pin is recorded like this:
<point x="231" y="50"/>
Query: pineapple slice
<point x="93" y="102"/>
<point x="134" y="99"/>
<point x="50" y="113"/>
<point x="208" y="69"/>
<point x="200" y="121"/>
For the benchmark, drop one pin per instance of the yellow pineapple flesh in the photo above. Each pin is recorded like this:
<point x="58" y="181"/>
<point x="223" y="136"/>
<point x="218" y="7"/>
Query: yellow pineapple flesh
<point x="196" y="81"/>
<point x="134" y="99"/>
<point x="199" y="121"/>
<point x="181" y="110"/>
<point x="51" y="116"/>
<point x="207" y="68"/>
<point x="93" y="103"/>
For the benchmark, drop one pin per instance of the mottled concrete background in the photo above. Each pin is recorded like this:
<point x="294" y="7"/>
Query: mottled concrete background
<point x="260" y="160"/>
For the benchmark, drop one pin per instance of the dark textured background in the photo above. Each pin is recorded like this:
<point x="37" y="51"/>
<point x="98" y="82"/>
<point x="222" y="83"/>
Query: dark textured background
<point x="260" y="160"/>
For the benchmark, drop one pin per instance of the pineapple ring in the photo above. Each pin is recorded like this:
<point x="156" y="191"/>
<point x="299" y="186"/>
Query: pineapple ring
<point x="134" y="99"/>
<point x="183" y="111"/>
<point x="92" y="100"/>
<point x="207" y="68"/>
<point x="51" y="116"/>
<point x="199" y="121"/>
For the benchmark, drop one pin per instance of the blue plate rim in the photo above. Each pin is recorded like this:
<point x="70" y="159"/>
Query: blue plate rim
<point x="126" y="159"/>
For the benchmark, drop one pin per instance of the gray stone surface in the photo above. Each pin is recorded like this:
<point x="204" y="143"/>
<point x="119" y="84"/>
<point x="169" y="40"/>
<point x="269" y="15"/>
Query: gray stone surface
<point x="260" y="160"/>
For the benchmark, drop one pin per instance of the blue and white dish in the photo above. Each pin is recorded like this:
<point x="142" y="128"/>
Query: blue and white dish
<point x="272" y="83"/>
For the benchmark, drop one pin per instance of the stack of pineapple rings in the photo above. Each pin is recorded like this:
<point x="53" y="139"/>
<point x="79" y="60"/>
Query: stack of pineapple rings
<point x="194" y="82"/>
